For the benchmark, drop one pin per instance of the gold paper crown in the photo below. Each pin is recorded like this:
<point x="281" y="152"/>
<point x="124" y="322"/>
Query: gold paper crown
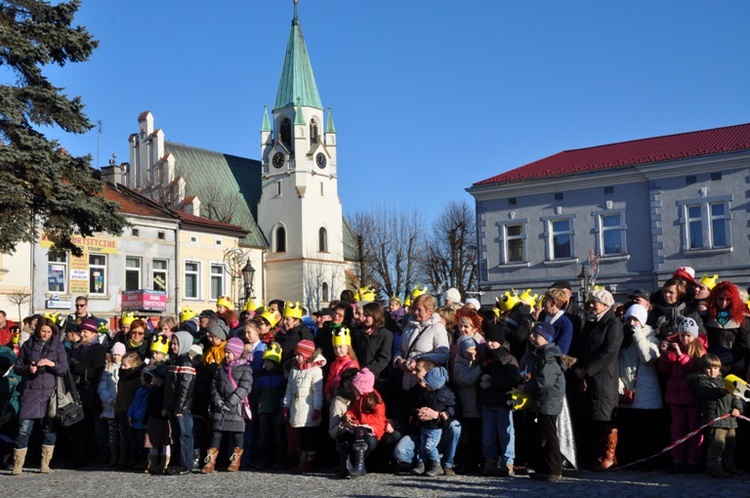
<point x="225" y="301"/>
<point x="365" y="294"/>
<point x="342" y="337"/>
<point x="273" y="352"/>
<point x="55" y="317"/>
<point x="407" y="301"/>
<point x="528" y="298"/>
<point x="128" y="318"/>
<point x="418" y="292"/>
<point x="508" y="301"/>
<point x="186" y="314"/>
<point x="251" y="305"/>
<point x="160" y="344"/>
<point x="270" y="317"/>
<point x="709" y="282"/>
<point x="518" y="399"/>
<point x="293" y="310"/>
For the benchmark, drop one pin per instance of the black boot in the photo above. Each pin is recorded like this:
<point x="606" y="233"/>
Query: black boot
<point x="343" y="450"/>
<point x="358" y="459"/>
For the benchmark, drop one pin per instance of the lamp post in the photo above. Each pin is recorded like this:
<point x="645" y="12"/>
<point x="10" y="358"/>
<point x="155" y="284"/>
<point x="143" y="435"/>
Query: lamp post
<point x="584" y="282"/>
<point x="248" y="272"/>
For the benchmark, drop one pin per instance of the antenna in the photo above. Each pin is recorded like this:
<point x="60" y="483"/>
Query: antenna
<point x="98" y="138"/>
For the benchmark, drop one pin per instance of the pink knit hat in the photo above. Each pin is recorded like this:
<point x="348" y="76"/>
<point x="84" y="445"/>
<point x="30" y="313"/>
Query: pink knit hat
<point x="118" y="348"/>
<point x="306" y="348"/>
<point x="236" y="346"/>
<point x="364" y="381"/>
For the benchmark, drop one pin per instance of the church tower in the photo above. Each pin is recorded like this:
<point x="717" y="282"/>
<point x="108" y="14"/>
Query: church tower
<point x="299" y="210"/>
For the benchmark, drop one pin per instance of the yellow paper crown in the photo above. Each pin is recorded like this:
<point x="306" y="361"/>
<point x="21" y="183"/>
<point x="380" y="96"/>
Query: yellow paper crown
<point x="418" y="292"/>
<point x="273" y="352"/>
<point x="225" y="301"/>
<point x="15" y="337"/>
<point x="55" y="317"/>
<point x="518" y="399"/>
<point x="251" y="305"/>
<point x="160" y="344"/>
<point x="709" y="282"/>
<point x="342" y="337"/>
<point x="507" y="301"/>
<point x="365" y="294"/>
<point x="528" y="298"/>
<point x="186" y="314"/>
<point x="293" y="310"/>
<point x="270" y="317"/>
<point x="128" y="318"/>
<point x="407" y="301"/>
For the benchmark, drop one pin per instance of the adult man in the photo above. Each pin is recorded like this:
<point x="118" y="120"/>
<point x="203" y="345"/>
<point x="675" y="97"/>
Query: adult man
<point x="640" y="296"/>
<point x="5" y="329"/>
<point x="322" y="317"/>
<point x="80" y="314"/>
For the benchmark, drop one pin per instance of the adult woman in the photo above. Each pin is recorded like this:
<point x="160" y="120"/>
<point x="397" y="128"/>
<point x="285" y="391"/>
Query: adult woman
<point x="668" y="308"/>
<point x="553" y="304"/>
<point x="40" y="362"/>
<point x="727" y="324"/>
<point x="373" y="342"/>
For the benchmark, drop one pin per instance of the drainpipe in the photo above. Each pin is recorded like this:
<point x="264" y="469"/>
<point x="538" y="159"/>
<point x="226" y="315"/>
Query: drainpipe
<point x="177" y="271"/>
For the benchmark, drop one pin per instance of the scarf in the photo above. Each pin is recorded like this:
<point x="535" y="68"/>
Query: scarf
<point x="228" y="366"/>
<point x="134" y="345"/>
<point x="722" y="317"/>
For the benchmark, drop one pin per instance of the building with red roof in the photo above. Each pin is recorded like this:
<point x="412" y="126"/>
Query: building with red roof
<point x="642" y="208"/>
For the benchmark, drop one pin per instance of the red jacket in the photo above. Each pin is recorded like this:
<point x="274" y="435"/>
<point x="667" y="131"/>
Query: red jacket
<point x="377" y="419"/>
<point x="337" y="367"/>
<point x="5" y="332"/>
<point x="678" y="390"/>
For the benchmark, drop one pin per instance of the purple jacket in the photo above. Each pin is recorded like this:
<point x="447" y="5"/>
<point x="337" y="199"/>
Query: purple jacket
<point x="39" y="387"/>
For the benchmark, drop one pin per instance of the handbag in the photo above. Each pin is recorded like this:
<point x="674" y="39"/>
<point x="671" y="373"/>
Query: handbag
<point x="68" y="409"/>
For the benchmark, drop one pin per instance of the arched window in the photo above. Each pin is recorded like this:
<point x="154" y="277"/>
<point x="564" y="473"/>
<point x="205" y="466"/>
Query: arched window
<point x="314" y="135"/>
<point x="280" y="239"/>
<point x="322" y="240"/>
<point x="324" y="292"/>
<point x="286" y="132"/>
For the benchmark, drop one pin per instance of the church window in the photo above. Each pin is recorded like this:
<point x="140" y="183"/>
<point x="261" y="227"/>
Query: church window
<point x="280" y="239"/>
<point x="324" y="294"/>
<point x="286" y="132"/>
<point x="322" y="240"/>
<point x="314" y="135"/>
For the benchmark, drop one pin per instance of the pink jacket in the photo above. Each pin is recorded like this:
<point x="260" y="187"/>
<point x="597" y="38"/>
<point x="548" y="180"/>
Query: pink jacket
<point x="678" y="391"/>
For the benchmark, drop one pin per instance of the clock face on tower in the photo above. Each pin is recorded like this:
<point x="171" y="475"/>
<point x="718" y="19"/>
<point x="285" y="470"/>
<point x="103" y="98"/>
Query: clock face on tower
<point x="278" y="160"/>
<point x="320" y="160"/>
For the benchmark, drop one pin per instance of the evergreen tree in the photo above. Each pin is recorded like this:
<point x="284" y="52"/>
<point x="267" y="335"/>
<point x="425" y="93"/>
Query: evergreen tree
<point x="41" y="185"/>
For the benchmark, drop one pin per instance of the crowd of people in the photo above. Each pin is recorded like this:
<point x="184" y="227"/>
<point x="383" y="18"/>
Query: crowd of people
<point x="539" y="383"/>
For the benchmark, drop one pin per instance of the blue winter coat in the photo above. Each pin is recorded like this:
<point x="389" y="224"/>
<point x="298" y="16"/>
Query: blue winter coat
<point x="39" y="387"/>
<point x="137" y="409"/>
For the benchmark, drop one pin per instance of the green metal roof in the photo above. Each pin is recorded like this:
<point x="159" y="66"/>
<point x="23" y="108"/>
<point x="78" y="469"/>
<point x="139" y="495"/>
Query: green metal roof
<point x="266" y="126"/>
<point x="297" y="78"/>
<point x="299" y="118"/>
<point x="330" y="128"/>
<point x="231" y="181"/>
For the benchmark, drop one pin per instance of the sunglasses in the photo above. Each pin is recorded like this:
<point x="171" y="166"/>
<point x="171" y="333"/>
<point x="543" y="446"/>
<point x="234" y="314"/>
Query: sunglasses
<point x="137" y="333"/>
<point x="80" y="305"/>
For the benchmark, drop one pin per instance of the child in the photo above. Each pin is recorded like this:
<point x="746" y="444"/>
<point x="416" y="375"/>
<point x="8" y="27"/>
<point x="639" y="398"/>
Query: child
<point x="159" y="349"/>
<point x="500" y="374"/>
<point x="158" y="437"/>
<point x="716" y="401"/>
<point x="127" y="385"/>
<point x="466" y="373"/>
<point x="178" y="397"/>
<point x="230" y="386"/>
<point x="679" y="358"/>
<point x="217" y="338"/>
<point x="546" y="385"/>
<point x="344" y="357"/>
<point x="435" y="395"/>
<point x="303" y="400"/>
<point x="254" y="347"/>
<point x="137" y="410"/>
<point x="269" y="387"/>
<point x="469" y="324"/>
<point x="107" y="390"/>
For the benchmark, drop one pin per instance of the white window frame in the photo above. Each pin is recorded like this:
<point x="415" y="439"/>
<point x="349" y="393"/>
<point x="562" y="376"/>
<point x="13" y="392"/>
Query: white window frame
<point x="549" y="235"/>
<point x="602" y="230"/>
<point x="134" y="269"/>
<point x="164" y="272"/>
<point x="220" y="277"/>
<point x="706" y="220"/>
<point x="193" y="273"/>
<point x="322" y="239"/>
<point x="58" y="263"/>
<point x="103" y="269"/>
<point x="505" y="240"/>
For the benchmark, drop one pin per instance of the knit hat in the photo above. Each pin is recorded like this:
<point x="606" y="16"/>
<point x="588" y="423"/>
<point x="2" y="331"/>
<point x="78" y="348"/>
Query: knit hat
<point x="685" y="273"/>
<point x="496" y="332"/>
<point x="638" y="312"/>
<point x="545" y="329"/>
<point x="471" y="315"/>
<point x="118" y="348"/>
<point x="218" y="330"/>
<point x="89" y="325"/>
<point x="159" y="371"/>
<point x="195" y="350"/>
<point x="236" y="346"/>
<point x="364" y="381"/>
<point x="602" y="296"/>
<point x="465" y="342"/>
<point x="306" y="348"/>
<point x="273" y="352"/>
<point x="688" y="325"/>
<point x="160" y="344"/>
<point x="453" y="295"/>
<point x="436" y="378"/>
<point x="473" y="302"/>
<point x="210" y="314"/>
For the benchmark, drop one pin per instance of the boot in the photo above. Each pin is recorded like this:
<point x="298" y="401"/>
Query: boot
<point x="234" y="460"/>
<point x="47" y="451"/>
<point x="609" y="459"/>
<point x="490" y="467"/>
<point x="210" y="461"/>
<point x="358" y="459"/>
<point x="343" y="450"/>
<point x="305" y="462"/>
<point x="433" y="469"/>
<point x="19" y="456"/>
<point x="114" y="454"/>
<point x="153" y="463"/>
<point x="162" y="466"/>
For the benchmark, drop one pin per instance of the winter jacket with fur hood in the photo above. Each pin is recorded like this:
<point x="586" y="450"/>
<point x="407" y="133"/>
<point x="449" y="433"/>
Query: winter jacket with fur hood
<point x="304" y="393"/>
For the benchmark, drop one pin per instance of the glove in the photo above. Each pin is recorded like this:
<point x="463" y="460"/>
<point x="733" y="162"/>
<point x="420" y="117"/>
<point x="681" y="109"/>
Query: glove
<point x="225" y="408"/>
<point x="316" y="415"/>
<point x="285" y="412"/>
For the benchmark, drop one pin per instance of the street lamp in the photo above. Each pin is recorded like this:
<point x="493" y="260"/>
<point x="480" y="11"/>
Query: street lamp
<point x="583" y="281"/>
<point x="248" y="272"/>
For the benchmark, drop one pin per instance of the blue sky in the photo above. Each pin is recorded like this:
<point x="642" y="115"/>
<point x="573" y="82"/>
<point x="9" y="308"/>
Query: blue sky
<point x="428" y="96"/>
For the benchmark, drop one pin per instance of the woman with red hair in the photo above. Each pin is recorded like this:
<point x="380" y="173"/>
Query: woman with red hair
<point x="727" y="324"/>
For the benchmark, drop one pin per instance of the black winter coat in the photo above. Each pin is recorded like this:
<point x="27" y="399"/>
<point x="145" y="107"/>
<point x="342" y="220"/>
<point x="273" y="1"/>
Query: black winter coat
<point x="373" y="351"/>
<point x="504" y="375"/>
<point x="179" y="385"/>
<point x="87" y="364"/>
<point x="715" y="400"/>
<point x="547" y="384"/>
<point x="227" y="410"/>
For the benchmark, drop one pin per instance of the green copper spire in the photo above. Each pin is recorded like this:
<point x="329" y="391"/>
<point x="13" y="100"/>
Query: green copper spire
<point x="297" y="78"/>
<point x="266" y="122"/>
<point x="330" y="128"/>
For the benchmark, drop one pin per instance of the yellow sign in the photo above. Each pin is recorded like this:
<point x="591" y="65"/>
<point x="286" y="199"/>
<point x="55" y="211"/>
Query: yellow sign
<point x="89" y="245"/>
